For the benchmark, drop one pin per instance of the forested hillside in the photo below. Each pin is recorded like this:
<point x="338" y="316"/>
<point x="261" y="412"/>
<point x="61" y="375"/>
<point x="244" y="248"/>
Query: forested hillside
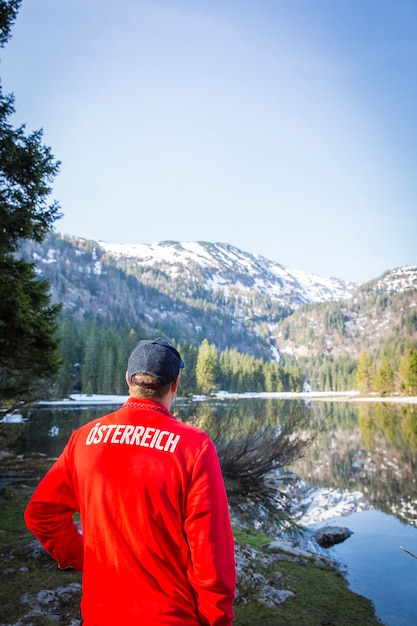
<point x="328" y="339"/>
<point x="242" y="322"/>
<point x="89" y="282"/>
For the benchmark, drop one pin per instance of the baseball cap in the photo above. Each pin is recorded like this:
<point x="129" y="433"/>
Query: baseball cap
<point x="157" y="358"/>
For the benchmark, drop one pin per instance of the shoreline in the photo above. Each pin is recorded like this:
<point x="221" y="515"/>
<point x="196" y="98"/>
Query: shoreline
<point x="345" y="396"/>
<point x="80" y="399"/>
<point x="329" y="396"/>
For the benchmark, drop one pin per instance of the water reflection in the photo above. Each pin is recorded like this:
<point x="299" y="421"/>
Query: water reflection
<point x="49" y="427"/>
<point x="241" y="414"/>
<point x="377" y="568"/>
<point x="252" y="440"/>
<point x="367" y="447"/>
<point x="371" y="448"/>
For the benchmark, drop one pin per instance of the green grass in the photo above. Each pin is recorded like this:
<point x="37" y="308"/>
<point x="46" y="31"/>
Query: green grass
<point x="247" y="535"/>
<point x="15" y="553"/>
<point x="322" y="596"/>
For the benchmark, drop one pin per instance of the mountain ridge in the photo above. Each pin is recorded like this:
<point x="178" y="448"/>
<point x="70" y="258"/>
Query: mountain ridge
<point x="254" y="271"/>
<point x="190" y="291"/>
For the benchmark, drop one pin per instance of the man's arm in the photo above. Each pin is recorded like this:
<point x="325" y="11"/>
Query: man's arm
<point x="49" y="516"/>
<point x="209" y="534"/>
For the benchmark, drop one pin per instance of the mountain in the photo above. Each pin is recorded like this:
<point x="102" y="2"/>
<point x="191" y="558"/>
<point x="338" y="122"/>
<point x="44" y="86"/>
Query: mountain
<point x="223" y="268"/>
<point x="197" y="290"/>
<point x="380" y="315"/>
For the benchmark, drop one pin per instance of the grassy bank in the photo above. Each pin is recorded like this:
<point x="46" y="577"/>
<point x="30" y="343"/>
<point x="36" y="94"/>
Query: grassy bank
<point x="322" y="596"/>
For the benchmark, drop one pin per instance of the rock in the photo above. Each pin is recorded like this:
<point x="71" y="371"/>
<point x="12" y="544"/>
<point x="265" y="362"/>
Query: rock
<point x="46" y="603"/>
<point x="8" y="570"/>
<point x="274" y="597"/>
<point x="263" y="584"/>
<point x="330" y="535"/>
<point x="288" y="548"/>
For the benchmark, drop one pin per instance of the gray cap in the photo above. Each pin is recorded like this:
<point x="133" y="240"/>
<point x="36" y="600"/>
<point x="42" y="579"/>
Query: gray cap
<point x="157" y="358"/>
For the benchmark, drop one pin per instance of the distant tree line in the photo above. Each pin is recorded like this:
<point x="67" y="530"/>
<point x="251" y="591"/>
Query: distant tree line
<point x="233" y="371"/>
<point x="324" y="373"/>
<point x="95" y="352"/>
<point x="390" y="370"/>
<point x="388" y="376"/>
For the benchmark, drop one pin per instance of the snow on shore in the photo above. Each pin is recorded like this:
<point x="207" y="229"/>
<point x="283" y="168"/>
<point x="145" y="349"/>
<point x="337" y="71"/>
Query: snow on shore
<point x="87" y="398"/>
<point x="83" y="399"/>
<point x="330" y="396"/>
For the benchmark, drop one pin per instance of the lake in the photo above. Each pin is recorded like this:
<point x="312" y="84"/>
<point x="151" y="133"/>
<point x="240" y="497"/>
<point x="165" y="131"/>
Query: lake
<point x="362" y="466"/>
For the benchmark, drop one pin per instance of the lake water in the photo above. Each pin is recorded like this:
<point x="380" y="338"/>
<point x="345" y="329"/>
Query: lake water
<point x="362" y="464"/>
<point x="378" y="568"/>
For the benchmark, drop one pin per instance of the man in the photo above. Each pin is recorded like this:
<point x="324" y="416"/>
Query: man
<point x="156" y="544"/>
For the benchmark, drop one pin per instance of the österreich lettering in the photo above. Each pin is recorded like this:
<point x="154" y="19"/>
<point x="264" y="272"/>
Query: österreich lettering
<point x="128" y="434"/>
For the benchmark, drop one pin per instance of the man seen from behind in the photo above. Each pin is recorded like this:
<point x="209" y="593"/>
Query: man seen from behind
<point x="156" y="546"/>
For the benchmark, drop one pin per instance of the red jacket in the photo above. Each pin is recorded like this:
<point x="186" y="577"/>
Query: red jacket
<point x="156" y="544"/>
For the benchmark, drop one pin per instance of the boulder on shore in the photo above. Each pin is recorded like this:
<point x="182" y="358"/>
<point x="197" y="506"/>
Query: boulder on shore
<point x="330" y="535"/>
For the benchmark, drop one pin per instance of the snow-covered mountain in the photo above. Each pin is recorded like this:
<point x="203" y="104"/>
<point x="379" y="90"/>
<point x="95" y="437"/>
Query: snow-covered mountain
<point x="192" y="291"/>
<point x="222" y="267"/>
<point x="398" y="280"/>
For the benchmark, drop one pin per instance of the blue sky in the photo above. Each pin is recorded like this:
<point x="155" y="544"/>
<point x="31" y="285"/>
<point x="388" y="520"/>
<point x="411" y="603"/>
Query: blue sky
<point x="287" y="128"/>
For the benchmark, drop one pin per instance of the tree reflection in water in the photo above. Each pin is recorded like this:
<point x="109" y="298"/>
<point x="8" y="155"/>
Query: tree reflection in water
<point x="254" y="439"/>
<point x="369" y="447"/>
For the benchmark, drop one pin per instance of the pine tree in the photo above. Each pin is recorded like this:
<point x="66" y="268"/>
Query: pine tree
<point x="384" y="379"/>
<point x="364" y="378"/>
<point x="206" y="368"/>
<point x="28" y="321"/>
<point x="189" y="356"/>
<point x="69" y="376"/>
<point x="89" y="364"/>
<point x="407" y="373"/>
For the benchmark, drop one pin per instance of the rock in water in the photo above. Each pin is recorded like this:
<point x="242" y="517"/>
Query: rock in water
<point x="330" y="535"/>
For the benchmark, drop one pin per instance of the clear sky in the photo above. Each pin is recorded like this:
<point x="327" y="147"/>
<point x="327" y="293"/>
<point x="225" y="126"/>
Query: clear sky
<point x="284" y="127"/>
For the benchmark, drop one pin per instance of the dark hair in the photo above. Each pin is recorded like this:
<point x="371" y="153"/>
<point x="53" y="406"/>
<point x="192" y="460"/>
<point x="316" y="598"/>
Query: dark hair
<point x="148" y="387"/>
